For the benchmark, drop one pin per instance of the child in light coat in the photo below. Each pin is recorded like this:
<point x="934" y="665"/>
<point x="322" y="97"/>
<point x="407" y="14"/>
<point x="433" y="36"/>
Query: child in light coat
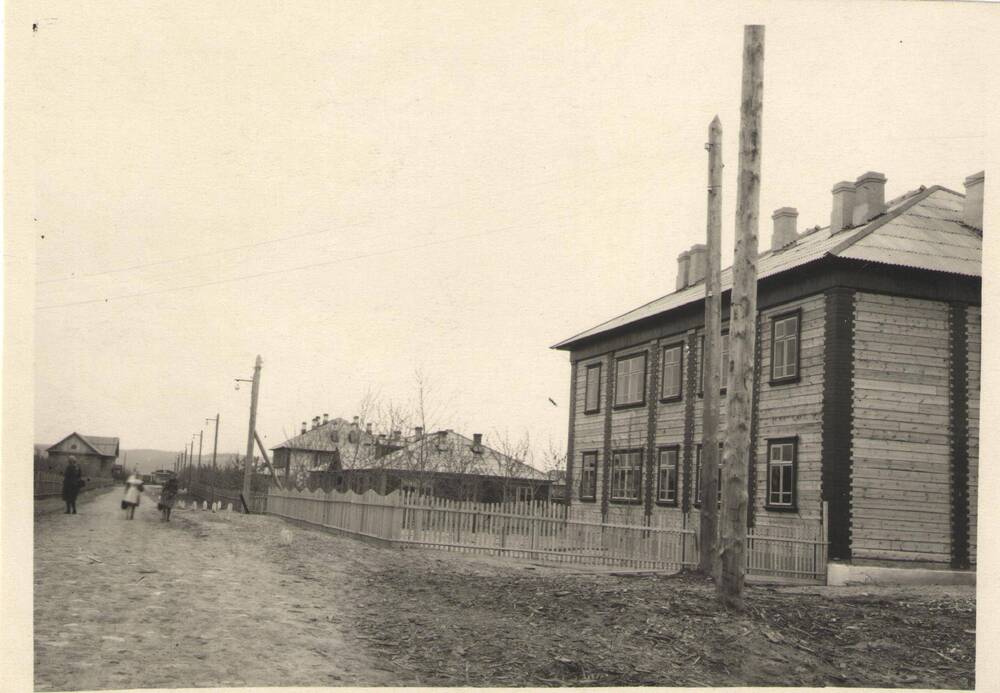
<point x="133" y="492"/>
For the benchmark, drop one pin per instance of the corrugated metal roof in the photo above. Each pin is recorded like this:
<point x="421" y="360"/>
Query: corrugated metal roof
<point x="105" y="445"/>
<point x="929" y="235"/>
<point x="448" y="452"/>
<point x="921" y="229"/>
<point x="325" y="438"/>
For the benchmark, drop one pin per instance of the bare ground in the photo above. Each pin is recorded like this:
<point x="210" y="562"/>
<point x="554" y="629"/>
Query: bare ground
<point x="238" y="600"/>
<point x="199" y="601"/>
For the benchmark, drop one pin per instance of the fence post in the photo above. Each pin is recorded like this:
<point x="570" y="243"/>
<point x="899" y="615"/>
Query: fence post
<point x="824" y="547"/>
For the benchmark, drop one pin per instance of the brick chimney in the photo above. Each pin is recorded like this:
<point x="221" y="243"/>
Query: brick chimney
<point x="305" y="427"/>
<point x="869" y="197"/>
<point x="418" y="431"/>
<point x="477" y="442"/>
<point x="315" y="422"/>
<point x="683" y="261"/>
<point x="697" y="266"/>
<point x="972" y="212"/>
<point x="842" y="216"/>
<point x="368" y="429"/>
<point x="784" y="227"/>
<point x="326" y="419"/>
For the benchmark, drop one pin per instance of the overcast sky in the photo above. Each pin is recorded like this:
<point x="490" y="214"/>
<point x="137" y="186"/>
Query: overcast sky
<point x="358" y="191"/>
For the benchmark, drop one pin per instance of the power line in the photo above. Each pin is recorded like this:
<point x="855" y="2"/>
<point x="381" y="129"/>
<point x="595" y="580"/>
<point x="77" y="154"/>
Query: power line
<point x="312" y="265"/>
<point x="304" y="234"/>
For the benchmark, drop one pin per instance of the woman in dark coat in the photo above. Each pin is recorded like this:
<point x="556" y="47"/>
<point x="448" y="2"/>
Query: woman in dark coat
<point x="168" y="497"/>
<point x="72" y="482"/>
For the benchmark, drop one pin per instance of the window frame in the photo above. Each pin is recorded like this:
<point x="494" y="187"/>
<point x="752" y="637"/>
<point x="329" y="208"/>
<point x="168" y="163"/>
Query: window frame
<point x="583" y="457"/>
<point x="680" y="364"/>
<point x="586" y="387"/>
<point x="794" y="506"/>
<point x="775" y="319"/>
<point x="676" y="449"/>
<point x="638" y="476"/>
<point x="641" y="402"/>
<point x="697" y="477"/>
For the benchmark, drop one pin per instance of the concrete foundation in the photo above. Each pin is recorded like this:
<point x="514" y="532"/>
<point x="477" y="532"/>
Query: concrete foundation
<point x="841" y="574"/>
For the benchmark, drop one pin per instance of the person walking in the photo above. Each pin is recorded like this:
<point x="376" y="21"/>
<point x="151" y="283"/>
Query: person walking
<point x="72" y="483"/>
<point x="133" y="492"/>
<point x="167" y="498"/>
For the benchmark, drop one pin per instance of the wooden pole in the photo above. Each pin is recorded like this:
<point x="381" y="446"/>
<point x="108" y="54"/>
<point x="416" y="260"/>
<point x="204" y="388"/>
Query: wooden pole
<point x="201" y="434"/>
<point x="248" y="463"/>
<point x="215" y="447"/>
<point x="742" y="326"/>
<point x="709" y="532"/>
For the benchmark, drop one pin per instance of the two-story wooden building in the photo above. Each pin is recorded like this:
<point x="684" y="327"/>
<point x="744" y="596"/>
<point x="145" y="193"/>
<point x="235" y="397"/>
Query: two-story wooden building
<point x="866" y="388"/>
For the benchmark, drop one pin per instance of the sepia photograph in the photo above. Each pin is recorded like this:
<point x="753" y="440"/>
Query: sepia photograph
<point x="497" y="344"/>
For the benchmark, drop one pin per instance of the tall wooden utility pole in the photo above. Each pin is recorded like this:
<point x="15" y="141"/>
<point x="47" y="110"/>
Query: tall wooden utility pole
<point x="248" y="463"/>
<point x="709" y="531"/>
<point x="215" y="447"/>
<point x="742" y="326"/>
<point x="201" y="434"/>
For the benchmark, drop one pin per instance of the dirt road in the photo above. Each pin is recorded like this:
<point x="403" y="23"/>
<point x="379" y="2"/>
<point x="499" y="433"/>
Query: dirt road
<point x="230" y="600"/>
<point x="199" y="601"/>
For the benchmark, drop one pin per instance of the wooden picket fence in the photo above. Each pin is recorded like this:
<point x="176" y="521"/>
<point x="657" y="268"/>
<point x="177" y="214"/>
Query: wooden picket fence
<point x="543" y="531"/>
<point x="367" y="515"/>
<point x="796" y="553"/>
<point x="227" y="496"/>
<point x="49" y="484"/>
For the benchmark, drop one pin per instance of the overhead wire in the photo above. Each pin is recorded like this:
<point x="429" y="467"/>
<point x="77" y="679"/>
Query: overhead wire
<point x="324" y="263"/>
<point x="304" y="234"/>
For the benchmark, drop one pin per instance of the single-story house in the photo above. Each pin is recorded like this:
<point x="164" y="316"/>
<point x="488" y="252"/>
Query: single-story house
<point x="330" y="445"/>
<point x="95" y="455"/>
<point x="446" y="464"/>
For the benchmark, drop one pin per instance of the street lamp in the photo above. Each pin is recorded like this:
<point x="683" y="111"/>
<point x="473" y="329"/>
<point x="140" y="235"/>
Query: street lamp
<point x="248" y="462"/>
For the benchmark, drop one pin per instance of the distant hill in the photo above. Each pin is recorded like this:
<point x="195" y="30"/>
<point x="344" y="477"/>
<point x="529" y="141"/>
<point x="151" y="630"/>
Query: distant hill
<point x="148" y="461"/>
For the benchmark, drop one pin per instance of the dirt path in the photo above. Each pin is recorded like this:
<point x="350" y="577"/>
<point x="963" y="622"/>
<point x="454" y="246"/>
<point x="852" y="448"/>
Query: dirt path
<point x="227" y="599"/>
<point x="201" y="601"/>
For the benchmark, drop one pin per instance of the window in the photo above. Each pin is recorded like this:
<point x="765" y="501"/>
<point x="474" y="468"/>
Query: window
<point x="697" y="478"/>
<point x="781" y="463"/>
<point x="588" y="476"/>
<point x="592" y="395"/>
<point x="785" y="348"/>
<point x="626" y="475"/>
<point x="524" y="494"/>
<point x="630" y="384"/>
<point x="666" y="476"/>
<point x="723" y="361"/>
<point x="671" y="372"/>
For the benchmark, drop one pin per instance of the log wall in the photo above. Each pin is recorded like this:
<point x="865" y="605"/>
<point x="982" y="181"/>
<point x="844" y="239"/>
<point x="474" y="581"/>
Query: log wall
<point x="791" y="410"/>
<point x="900" y="441"/>
<point x="588" y="435"/>
<point x="975" y="331"/>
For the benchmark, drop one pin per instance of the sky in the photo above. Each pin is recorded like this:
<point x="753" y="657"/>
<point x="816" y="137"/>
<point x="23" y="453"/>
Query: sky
<point x="363" y="192"/>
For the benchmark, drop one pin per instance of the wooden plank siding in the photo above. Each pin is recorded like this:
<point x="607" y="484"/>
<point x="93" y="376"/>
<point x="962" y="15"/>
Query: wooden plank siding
<point x="975" y="331"/>
<point x="669" y="428"/>
<point x="697" y="416"/>
<point x="629" y="429"/>
<point x="900" y="477"/>
<point x="793" y="410"/>
<point x="588" y="435"/>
